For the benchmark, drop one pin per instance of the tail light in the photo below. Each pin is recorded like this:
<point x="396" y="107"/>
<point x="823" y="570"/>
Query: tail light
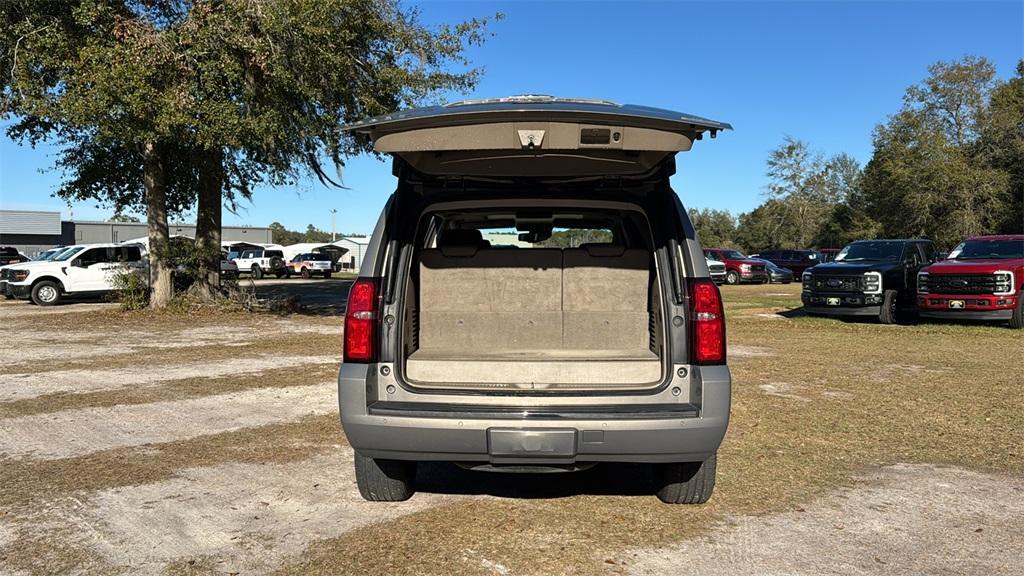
<point x="361" y="322"/>
<point x="707" y="323"/>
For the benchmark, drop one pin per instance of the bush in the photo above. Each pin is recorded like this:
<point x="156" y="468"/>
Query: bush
<point x="130" y="288"/>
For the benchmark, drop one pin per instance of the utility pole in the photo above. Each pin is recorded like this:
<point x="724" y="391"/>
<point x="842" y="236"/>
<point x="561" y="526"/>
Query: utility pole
<point x="333" y="212"/>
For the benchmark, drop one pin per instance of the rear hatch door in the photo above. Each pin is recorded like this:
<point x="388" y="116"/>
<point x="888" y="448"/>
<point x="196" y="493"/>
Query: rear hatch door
<point x="535" y="136"/>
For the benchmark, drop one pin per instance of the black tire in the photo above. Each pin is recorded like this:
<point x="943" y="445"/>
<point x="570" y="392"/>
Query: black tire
<point x="1017" y="319"/>
<point x="686" y="482"/>
<point x="305" y="273"/>
<point x="279" y="274"/>
<point x="731" y="277"/>
<point x="257" y="272"/>
<point x="46" y="293"/>
<point x="385" y="480"/>
<point x="888" y="314"/>
<point x="327" y="274"/>
<point x="9" y="296"/>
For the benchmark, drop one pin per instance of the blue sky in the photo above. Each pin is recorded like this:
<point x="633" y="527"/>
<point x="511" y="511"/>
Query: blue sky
<point x="824" y="72"/>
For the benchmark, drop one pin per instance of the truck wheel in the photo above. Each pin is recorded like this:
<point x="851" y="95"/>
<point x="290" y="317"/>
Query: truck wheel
<point x="686" y="482"/>
<point x="888" y="312"/>
<point x="385" y="480"/>
<point x="279" y="274"/>
<point x="257" y="272"/>
<point x="305" y="273"/>
<point x="327" y="274"/>
<point x="46" y="293"/>
<point x="732" y="277"/>
<point x="1017" y="319"/>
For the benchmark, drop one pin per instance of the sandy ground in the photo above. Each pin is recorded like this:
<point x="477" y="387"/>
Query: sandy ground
<point x="21" y="386"/>
<point x="900" y="520"/>
<point x="237" y="518"/>
<point x="262" y="514"/>
<point x="76" y="432"/>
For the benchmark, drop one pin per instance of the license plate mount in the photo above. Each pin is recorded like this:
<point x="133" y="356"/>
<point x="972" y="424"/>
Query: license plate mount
<point x="957" y="304"/>
<point x="832" y="301"/>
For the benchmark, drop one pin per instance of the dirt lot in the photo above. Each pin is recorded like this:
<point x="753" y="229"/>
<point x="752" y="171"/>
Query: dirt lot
<point x="209" y="443"/>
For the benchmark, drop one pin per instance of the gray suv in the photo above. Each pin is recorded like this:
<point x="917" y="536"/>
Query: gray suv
<point x="535" y="299"/>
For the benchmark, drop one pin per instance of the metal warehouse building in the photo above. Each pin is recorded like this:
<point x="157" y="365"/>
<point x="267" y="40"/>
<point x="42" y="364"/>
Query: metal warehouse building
<point x="357" y="246"/>
<point x="32" y="232"/>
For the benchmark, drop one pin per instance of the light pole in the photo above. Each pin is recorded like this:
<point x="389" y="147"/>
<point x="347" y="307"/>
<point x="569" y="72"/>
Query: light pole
<point x="333" y="212"/>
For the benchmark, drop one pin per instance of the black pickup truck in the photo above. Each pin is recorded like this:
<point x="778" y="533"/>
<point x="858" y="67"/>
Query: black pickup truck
<point x="867" y="278"/>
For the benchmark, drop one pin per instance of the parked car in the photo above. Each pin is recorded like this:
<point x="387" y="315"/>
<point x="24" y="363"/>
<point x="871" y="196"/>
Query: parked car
<point x="310" y="263"/>
<point x="868" y="278"/>
<point x="982" y="279"/>
<point x="534" y="358"/>
<point x="49" y="253"/>
<point x="84" y="270"/>
<point x="795" y="260"/>
<point x="261" y="261"/>
<point x="739" y="268"/>
<point x="228" y="268"/>
<point x="10" y="255"/>
<point x="776" y="274"/>
<point x="717" y="270"/>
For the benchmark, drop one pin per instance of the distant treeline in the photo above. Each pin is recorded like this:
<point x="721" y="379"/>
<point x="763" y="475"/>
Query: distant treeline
<point x="947" y="165"/>
<point x="286" y="237"/>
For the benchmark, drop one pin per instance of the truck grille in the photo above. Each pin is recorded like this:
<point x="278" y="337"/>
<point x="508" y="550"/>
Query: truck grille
<point x="959" y="284"/>
<point x="717" y="269"/>
<point x="7" y="274"/>
<point x="838" y="283"/>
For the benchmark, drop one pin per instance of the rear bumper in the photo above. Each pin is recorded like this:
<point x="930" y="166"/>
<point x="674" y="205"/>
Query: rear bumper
<point x="592" y="436"/>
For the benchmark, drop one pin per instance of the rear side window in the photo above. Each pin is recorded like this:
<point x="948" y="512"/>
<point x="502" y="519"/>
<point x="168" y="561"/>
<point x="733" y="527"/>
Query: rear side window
<point x="131" y="254"/>
<point x="273" y="253"/>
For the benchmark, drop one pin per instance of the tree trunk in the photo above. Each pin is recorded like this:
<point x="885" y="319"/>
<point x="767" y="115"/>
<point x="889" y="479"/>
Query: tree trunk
<point x="208" y="221"/>
<point x="156" y="219"/>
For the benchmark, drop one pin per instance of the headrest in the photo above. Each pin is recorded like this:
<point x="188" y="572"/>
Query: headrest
<point x="604" y="250"/>
<point x="461" y="237"/>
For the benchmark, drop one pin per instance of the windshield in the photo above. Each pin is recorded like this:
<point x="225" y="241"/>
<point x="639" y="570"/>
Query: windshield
<point x="870" y="252"/>
<point x="66" y="254"/>
<point x="988" y="250"/>
<point x="733" y="255"/>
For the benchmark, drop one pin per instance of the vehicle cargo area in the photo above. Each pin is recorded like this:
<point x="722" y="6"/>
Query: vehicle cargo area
<point x="535" y="316"/>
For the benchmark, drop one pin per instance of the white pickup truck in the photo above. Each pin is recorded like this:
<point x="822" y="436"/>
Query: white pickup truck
<point x="83" y="270"/>
<point x="260" y="261"/>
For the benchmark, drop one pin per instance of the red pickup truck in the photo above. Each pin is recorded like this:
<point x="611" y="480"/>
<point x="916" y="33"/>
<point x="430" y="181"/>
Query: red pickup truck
<point x="981" y="279"/>
<point x="738" y="267"/>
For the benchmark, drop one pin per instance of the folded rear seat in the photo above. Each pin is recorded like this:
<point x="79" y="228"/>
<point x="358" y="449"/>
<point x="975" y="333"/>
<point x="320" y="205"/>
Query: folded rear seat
<point x="604" y="297"/>
<point x="479" y="300"/>
<point x="533" y="318"/>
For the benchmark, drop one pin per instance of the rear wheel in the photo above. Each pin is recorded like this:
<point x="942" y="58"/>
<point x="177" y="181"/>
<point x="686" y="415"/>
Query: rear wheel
<point x="686" y="482"/>
<point x="1017" y="319"/>
<point x="46" y="293"/>
<point x="385" y="480"/>
<point x="888" y="313"/>
<point x="257" y="272"/>
<point x="305" y="273"/>
<point x="731" y="277"/>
